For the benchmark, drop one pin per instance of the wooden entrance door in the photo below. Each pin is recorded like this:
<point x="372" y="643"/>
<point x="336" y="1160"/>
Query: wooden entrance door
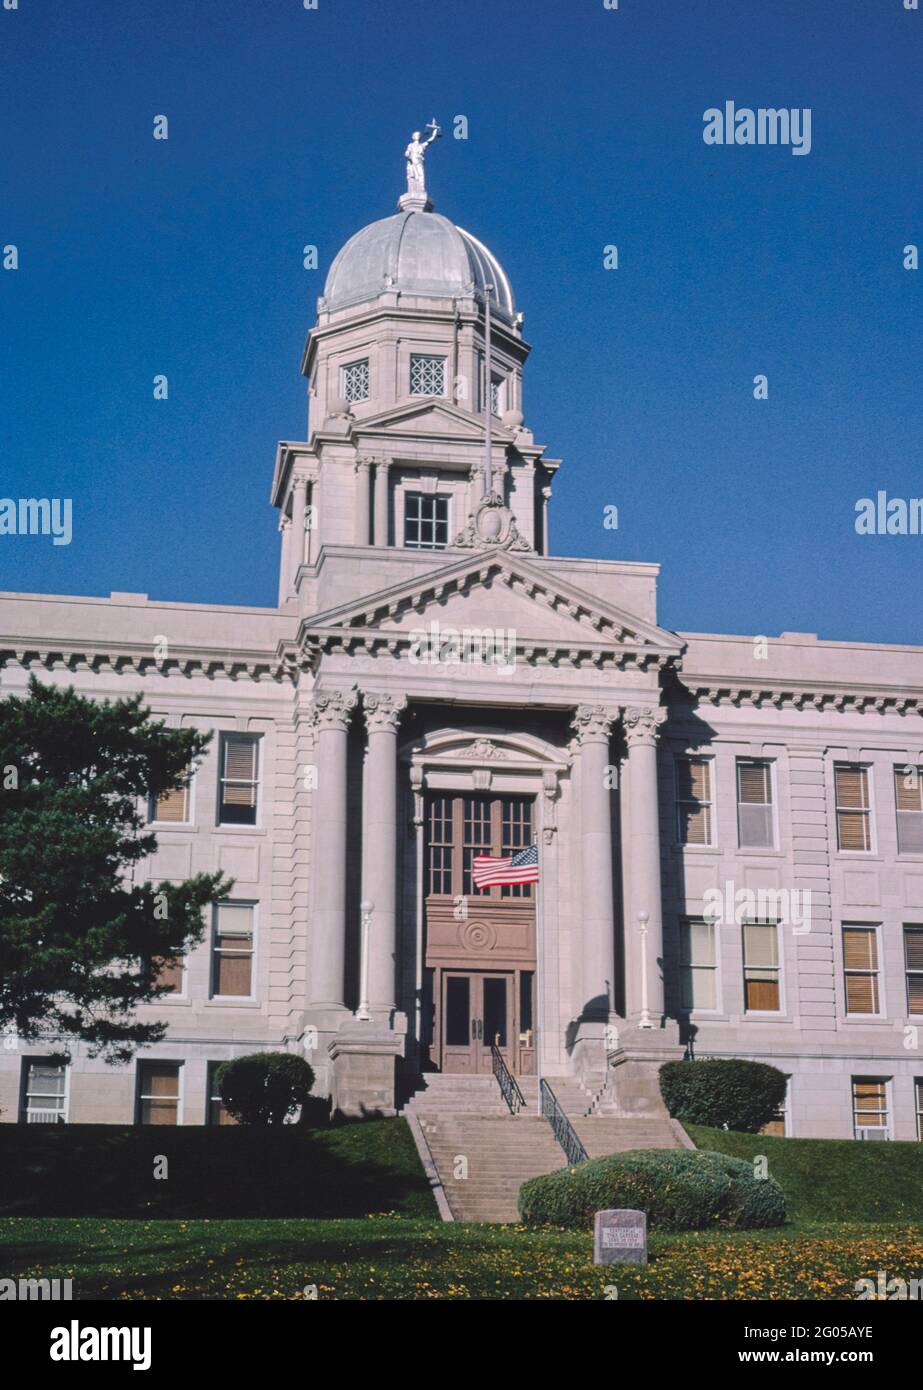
<point x="476" y="1012"/>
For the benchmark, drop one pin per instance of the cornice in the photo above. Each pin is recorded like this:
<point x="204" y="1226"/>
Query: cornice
<point x="122" y="658"/>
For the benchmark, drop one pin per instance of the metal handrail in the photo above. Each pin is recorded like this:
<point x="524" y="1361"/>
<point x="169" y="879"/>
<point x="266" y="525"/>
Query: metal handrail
<point x="506" y="1081"/>
<point x="561" y="1126"/>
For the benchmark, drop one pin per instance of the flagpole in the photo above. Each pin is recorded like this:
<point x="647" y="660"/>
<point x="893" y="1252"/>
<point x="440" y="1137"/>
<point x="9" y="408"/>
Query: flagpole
<point x="539" y="1015"/>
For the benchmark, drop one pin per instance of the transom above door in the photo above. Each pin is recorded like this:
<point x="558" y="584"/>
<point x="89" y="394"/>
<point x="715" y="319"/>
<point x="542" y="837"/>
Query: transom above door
<point x="461" y="827"/>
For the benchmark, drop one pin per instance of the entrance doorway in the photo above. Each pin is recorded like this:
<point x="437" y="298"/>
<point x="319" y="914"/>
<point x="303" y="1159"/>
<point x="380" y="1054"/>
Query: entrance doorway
<point x="480" y="942"/>
<point x="477" y="1012"/>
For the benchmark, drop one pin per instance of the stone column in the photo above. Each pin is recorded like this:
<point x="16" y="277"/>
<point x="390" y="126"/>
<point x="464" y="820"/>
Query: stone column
<point x="593" y="724"/>
<point x="643" y="847"/>
<point x="381" y="501"/>
<point x="363" y="467"/>
<point x="332" y="710"/>
<point x="285" y="559"/>
<point x="379" y="845"/>
<point x="299" y="506"/>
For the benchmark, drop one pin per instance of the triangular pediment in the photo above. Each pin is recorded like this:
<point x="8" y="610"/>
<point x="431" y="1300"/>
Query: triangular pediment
<point x="495" y="590"/>
<point x="425" y="418"/>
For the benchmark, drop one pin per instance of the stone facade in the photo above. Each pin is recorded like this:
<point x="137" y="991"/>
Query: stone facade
<point x="426" y="648"/>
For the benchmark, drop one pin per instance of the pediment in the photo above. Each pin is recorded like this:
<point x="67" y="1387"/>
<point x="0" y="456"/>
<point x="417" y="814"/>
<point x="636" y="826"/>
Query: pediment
<point x="494" y="591"/>
<point x="425" y="418"/>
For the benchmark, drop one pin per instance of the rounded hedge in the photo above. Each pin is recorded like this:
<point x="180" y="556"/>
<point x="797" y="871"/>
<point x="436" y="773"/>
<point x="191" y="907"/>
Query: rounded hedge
<point x="725" y="1092"/>
<point x="264" y="1088"/>
<point x="679" y="1189"/>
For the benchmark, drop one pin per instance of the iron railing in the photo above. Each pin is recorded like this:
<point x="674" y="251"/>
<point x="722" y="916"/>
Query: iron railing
<point x="561" y="1126"/>
<point x="506" y="1081"/>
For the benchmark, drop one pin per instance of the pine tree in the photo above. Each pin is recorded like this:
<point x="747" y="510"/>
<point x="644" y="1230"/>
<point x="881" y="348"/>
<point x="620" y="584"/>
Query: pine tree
<point x="80" y="932"/>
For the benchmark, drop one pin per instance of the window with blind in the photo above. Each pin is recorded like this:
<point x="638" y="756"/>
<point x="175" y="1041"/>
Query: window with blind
<point x="755" y="829"/>
<point x="698" y="965"/>
<point x="232" y="951"/>
<point x="218" y="1113"/>
<point x="870" y="1107"/>
<point x="238" y="790"/>
<point x="853" y="808"/>
<point x="173" y="807"/>
<point x="168" y="973"/>
<point x="908" y="797"/>
<point x="913" y="962"/>
<point x="860" y="966"/>
<point x="158" y="1093"/>
<point x="694" y="801"/>
<point x="45" y="1092"/>
<point x="761" y="967"/>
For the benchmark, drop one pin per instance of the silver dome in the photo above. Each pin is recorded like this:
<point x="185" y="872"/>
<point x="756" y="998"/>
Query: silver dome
<point x="417" y="253"/>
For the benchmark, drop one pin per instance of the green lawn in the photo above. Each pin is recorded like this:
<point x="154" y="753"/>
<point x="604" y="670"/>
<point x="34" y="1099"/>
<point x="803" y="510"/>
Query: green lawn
<point x="393" y="1257"/>
<point x="830" y="1180"/>
<point x="280" y="1171"/>
<point x="854" y="1209"/>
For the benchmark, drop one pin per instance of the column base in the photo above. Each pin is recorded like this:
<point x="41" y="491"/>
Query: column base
<point x="633" y="1077"/>
<point x="363" y="1059"/>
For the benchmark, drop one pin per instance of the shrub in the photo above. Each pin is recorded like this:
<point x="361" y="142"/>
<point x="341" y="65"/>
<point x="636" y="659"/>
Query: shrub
<point x="679" y="1189"/>
<point x="723" y="1092"/>
<point x="264" y="1088"/>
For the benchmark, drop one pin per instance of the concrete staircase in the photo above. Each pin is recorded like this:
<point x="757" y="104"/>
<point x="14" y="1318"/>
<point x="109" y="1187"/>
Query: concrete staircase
<point x="482" y="1154"/>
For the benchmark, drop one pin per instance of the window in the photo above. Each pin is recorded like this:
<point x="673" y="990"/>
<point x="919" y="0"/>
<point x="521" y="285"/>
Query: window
<point x="918" y="1093"/>
<point x="426" y="521"/>
<point x="218" y="1114"/>
<point x="761" y="967"/>
<point x="158" y="1093"/>
<point x="913" y="962"/>
<point x="698" y="965"/>
<point x="232" y="950"/>
<point x="754" y="805"/>
<point x="496" y="385"/>
<point x="427" y="375"/>
<point x="239" y="782"/>
<point x="168" y="970"/>
<point x="860" y="964"/>
<point x="870" y="1107"/>
<point x="777" y="1127"/>
<point x="517" y="835"/>
<point x="44" y="1092"/>
<point x="908" y="796"/>
<point x="853" y="811"/>
<point x="693" y="801"/>
<point x="354" y="381"/>
<point x="173" y="807"/>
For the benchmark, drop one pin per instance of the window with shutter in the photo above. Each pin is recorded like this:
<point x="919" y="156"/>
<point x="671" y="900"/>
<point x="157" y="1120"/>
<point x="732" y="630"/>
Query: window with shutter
<point x="698" y="965"/>
<point x="860" y="965"/>
<point x="870" y="1107"/>
<point x="913" y="960"/>
<point x="218" y="1113"/>
<point x="239" y="781"/>
<point x="168" y="971"/>
<point x="172" y="807"/>
<point x="908" y="797"/>
<point x="761" y="967"/>
<point x="754" y="805"/>
<point x="232" y="950"/>
<point x="694" y="801"/>
<point x="853" y="810"/>
<point x="158" y="1093"/>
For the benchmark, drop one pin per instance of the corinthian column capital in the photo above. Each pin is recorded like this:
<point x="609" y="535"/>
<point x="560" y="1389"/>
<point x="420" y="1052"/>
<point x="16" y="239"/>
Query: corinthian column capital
<point x="593" y="723"/>
<point x="642" y="724"/>
<point x="382" y="711"/>
<point x="332" y="709"/>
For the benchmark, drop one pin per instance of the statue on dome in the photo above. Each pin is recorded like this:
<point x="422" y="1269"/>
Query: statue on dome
<point x="415" y="154"/>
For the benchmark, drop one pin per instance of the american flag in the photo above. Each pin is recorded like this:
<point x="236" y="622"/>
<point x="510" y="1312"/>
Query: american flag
<point x="521" y="867"/>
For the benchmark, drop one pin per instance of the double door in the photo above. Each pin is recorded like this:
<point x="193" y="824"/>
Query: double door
<point x="477" y="1012"/>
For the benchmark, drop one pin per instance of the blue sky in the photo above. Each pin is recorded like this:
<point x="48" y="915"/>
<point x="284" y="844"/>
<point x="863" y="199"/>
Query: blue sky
<point x="287" y="127"/>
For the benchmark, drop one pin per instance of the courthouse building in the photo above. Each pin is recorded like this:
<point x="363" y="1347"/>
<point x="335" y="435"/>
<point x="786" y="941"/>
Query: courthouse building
<point x="729" y="830"/>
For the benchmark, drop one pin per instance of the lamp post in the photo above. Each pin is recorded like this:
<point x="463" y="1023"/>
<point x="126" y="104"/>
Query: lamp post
<point x="366" y="908"/>
<point x="643" y="919"/>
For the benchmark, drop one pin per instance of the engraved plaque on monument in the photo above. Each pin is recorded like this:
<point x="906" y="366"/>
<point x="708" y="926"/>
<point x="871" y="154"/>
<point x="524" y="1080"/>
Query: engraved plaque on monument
<point x="620" y="1237"/>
